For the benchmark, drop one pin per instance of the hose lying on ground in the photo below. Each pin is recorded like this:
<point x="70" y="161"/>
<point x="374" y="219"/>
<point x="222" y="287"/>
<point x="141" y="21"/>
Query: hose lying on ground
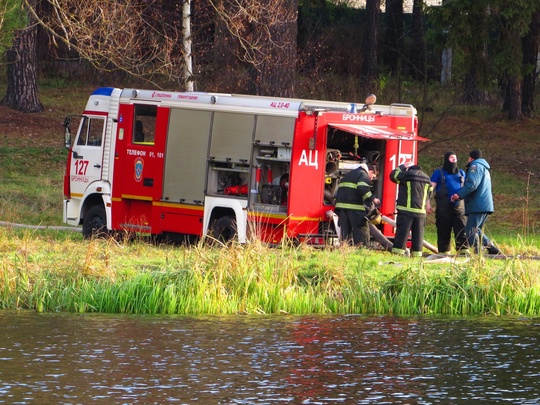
<point x="40" y="227"/>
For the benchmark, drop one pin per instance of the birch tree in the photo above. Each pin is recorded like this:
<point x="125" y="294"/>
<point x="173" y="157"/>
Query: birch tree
<point x="142" y="38"/>
<point x="152" y="39"/>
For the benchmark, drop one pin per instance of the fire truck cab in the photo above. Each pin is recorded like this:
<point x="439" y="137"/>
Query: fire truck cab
<point x="188" y="165"/>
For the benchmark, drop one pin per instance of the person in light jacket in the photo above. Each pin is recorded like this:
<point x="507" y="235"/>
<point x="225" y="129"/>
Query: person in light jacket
<point x="476" y="192"/>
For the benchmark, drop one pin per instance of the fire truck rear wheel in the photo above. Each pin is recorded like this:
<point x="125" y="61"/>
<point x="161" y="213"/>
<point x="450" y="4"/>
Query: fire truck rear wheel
<point x="224" y="229"/>
<point x="95" y="222"/>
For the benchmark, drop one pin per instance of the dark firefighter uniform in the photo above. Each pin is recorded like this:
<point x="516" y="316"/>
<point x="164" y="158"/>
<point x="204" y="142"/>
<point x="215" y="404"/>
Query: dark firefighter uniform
<point x="354" y="191"/>
<point x="414" y="194"/>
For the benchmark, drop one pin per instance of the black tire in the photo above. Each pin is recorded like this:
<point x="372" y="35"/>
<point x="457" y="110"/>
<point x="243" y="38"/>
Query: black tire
<point x="224" y="229"/>
<point x="95" y="223"/>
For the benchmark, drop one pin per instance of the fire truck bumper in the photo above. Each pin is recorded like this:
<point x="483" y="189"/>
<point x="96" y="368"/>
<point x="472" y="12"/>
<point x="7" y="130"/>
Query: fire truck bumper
<point x="71" y="213"/>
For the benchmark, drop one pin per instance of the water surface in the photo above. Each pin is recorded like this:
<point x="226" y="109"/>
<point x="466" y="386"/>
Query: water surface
<point x="121" y="359"/>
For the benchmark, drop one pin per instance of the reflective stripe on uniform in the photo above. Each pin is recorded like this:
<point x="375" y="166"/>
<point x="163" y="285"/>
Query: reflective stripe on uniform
<point x="409" y="209"/>
<point x="425" y="197"/>
<point x="355" y="186"/>
<point x="396" y="174"/>
<point x="348" y="206"/>
<point x="348" y="185"/>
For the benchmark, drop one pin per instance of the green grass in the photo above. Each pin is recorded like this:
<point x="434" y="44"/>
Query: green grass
<point x="32" y="184"/>
<point x="45" y="271"/>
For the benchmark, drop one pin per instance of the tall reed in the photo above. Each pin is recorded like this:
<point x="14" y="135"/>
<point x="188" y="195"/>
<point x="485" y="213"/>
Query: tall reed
<point x="45" y="272"/>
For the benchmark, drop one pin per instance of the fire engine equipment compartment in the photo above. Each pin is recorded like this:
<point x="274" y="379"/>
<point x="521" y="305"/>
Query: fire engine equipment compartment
<point x="345" y="152"/>
<point x="272" y="165"/>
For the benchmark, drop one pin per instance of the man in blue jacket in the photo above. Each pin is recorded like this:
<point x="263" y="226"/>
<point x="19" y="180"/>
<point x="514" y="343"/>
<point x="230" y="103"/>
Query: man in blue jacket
<point x="449" y="216"/>
<point x="478" y="201"/>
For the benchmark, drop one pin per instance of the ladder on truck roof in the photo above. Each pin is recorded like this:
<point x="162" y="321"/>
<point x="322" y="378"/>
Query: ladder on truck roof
<point x="239" y="103"/>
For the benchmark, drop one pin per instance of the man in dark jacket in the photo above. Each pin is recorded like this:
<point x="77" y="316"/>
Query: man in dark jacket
<point x="449" y="215"/>
<point x="478" y="201"/>
<point x="354" y="192"/>
<point x="412" y="204"/>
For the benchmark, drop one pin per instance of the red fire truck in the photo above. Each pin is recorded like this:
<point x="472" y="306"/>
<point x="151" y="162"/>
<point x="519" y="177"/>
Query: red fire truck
<point x="188" y="165"/>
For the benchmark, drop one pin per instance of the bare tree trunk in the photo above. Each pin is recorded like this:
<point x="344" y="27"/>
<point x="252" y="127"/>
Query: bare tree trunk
<point x="511" y="38"/>
<point x="22" y="91"/>
<point x="472" y="91"/>
<point x="393" y="35"/>
<point x="475" y="53"/>
<point x="418" y="48"/>
<point x="371" y="39"/>
<point x="514" y="99"/>
<point x="531" y="48"/>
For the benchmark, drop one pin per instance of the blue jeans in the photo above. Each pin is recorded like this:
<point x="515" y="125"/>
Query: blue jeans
<point x="474" y="230"/>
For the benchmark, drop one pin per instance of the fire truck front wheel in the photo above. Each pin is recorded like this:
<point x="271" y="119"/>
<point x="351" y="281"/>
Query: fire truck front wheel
<point x="95" y="222"/>
<point x="224" y="229"/>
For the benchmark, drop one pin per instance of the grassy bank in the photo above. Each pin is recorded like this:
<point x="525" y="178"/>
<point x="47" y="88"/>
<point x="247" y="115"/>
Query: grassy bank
<point x="55" y="271"/>
<point x="58" y="271"/>
<point x="31" y="185"/>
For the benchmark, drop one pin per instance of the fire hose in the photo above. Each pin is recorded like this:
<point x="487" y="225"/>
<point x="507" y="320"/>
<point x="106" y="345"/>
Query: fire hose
<point x="40" y="227"/>
<point x="376" y="233"/>
<point x="425" y="243"/>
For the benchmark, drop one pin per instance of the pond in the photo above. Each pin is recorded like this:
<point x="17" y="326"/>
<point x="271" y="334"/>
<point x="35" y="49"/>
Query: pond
<point x="119" y="359"/>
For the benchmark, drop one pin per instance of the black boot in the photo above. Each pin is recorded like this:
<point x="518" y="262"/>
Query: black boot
<point x="493" y="250"/>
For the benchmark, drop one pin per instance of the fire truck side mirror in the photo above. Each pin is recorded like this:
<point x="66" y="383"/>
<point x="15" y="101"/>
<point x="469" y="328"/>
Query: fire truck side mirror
<point x="67" y="133"/>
